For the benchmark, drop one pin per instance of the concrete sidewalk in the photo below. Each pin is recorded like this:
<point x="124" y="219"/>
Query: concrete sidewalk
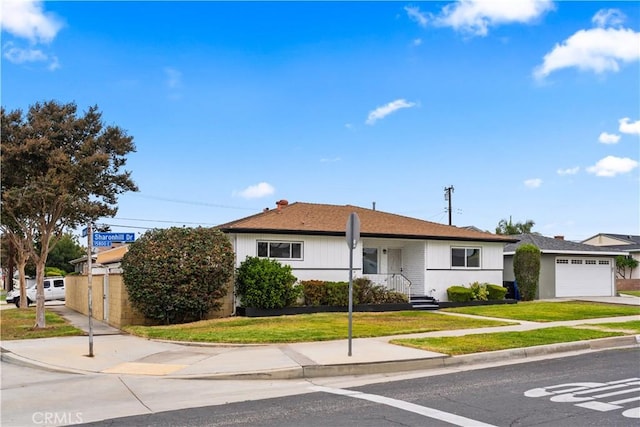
<point x="118" y="353"/>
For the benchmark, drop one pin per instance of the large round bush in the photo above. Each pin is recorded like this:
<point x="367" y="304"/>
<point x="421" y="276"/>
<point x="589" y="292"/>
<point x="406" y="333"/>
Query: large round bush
<point x="177" y="275"/>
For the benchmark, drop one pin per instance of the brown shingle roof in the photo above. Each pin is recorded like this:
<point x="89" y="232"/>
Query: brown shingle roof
<point x="112" y="255"/>
<point x="321" y="219"/>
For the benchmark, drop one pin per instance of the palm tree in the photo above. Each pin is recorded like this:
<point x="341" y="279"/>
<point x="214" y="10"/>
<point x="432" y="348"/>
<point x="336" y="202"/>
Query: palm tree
<point x="509" y="228"/>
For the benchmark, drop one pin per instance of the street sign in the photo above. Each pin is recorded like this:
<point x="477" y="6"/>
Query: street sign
<point x="353" y="230"/>
<point x="105" y="239"/>
<point x="85" y="232"/>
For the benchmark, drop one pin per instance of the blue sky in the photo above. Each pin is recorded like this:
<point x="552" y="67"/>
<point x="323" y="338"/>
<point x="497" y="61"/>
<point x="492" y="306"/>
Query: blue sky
<point x="530" y="109"/>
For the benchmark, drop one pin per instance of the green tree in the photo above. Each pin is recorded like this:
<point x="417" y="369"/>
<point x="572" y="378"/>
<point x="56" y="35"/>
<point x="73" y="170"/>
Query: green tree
<point x="625" y="264"/>
<point x="509" y="228"/>
<point x="178" y="274"/>
<point x="265" y="283"/>
<point x="59" y="170"/>
<point x="67" y="249"/>
<point x="526" y="267"/>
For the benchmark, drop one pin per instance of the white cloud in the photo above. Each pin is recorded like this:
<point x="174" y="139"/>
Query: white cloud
<point x="611" y="166"/>
<point x="533" y="183"/>
<point x="415" y="15"/>
<point x="597" y="49"/>
<point x="608" y="18"/>
<point x="476" y="16"/>
<point x="608" y="138"/>
<point x="256" y="191"/>
<point x="569" y="171"/>
<point x="627" y="127"/>
<point x="26" y="19"/>
<point x="417" y="42"/>
<point x="385" y="110"/>
<point x="19" y="56"/>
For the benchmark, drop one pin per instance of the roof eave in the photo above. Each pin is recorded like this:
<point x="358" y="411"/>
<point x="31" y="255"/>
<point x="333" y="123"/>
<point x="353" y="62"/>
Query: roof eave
<point x="369" y="235"/>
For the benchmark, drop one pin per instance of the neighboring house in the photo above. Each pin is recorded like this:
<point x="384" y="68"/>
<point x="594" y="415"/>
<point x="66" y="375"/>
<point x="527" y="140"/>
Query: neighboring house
<point x="567" y="269"/>
<point x="620" y="242"/>
<point x="111" y="258"/>
<point x="405" y="254"/>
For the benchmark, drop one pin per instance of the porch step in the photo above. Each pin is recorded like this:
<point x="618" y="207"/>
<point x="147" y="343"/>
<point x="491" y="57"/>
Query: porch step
<point x="423" y="302"/>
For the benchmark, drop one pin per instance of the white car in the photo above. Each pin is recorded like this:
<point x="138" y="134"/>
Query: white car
<point x="53" y="290"/>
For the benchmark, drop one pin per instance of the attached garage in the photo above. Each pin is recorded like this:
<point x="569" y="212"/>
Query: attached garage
<point x="567" y="269"/>
<point x="581" y="276"/>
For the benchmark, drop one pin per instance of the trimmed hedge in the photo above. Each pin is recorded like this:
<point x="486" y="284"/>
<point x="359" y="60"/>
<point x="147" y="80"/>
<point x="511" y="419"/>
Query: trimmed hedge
<point x="496" y="292"/>
<point x="459" y="294"/>
<point x="476" y="292"/>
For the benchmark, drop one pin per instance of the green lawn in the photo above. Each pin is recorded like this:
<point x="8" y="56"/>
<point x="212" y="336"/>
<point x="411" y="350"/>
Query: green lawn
<point x="18" y="324"/>
<point x="478" y="343"/>
<point x="309" y="327"/>
<point x="542" y="311"/>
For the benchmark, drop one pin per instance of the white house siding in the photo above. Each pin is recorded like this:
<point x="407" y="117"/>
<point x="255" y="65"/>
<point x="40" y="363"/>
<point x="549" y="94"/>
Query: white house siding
<point x="323" y="257"/>
<point x="414" y="264"/>
<point x="440" y="275"/>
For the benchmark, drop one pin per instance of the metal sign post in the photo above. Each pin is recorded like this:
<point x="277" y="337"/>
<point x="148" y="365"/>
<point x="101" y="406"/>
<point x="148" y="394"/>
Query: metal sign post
<point x="353" y="235"/>
<point x="90" y="287"/>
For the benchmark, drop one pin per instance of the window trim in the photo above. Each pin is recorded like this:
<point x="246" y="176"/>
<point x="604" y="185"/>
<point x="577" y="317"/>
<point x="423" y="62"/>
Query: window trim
<point x="290" y="243"/>
<point x="466" y="257"/>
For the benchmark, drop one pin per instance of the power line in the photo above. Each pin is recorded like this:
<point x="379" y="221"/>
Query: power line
<point x="190" y="202"/>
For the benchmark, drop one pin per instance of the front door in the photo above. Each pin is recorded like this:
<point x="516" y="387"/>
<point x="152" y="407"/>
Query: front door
<point x="394" y="260"/>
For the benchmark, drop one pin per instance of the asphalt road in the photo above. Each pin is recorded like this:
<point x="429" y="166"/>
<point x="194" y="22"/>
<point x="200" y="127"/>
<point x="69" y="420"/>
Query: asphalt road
<point x="594" y="389"/>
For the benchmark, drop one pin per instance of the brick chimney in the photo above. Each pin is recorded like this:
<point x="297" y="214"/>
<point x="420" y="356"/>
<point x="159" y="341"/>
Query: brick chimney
<point x="281" y="203"/>
<point x="558" y="237"/>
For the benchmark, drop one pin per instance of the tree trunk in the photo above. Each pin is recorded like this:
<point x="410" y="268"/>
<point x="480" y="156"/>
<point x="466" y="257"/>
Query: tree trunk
<point x="40" y="320"/>
<point x="23" y="283"/>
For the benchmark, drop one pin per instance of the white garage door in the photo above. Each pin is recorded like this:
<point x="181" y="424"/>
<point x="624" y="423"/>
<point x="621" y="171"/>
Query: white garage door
<point x="584" y="277"/>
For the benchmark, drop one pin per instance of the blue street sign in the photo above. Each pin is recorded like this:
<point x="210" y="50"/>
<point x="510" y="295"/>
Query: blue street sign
<point x="105" y="239"/>
<point x="85" y="232"/>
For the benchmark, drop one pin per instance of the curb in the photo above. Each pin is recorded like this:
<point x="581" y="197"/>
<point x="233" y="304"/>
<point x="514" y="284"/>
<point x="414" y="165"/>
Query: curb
<point x="15" y="359"/>
<point x="319" y="371"/>
<point x="386" y="367"/>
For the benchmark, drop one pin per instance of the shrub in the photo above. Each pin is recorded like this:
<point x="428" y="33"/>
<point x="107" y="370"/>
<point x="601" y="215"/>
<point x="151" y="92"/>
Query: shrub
<point x="54" y="271"/>
<point x="526" y="267"/>
<point x="458" y="293"/>
<point x="478" y="291"/>
<point x="265" y="283"/>
<point x="364" y="291"/>
<point x="314" y="292"/>
<point x="394" y="297"/>
<point x="337" y="293"/>
<point x="496" y="292"/>
<point x="178" y="274"/>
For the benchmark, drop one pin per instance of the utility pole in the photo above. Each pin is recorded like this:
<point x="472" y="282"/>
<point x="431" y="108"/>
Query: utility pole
<point x="447" y="197"/>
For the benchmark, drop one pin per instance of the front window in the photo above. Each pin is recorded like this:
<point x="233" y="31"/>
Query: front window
<point x="370" y="260"/>
<point x="281" y="250"/>
<point x="465" y="257"/>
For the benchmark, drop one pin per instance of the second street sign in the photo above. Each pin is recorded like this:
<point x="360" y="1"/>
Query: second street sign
<point x="105" y="239"/>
